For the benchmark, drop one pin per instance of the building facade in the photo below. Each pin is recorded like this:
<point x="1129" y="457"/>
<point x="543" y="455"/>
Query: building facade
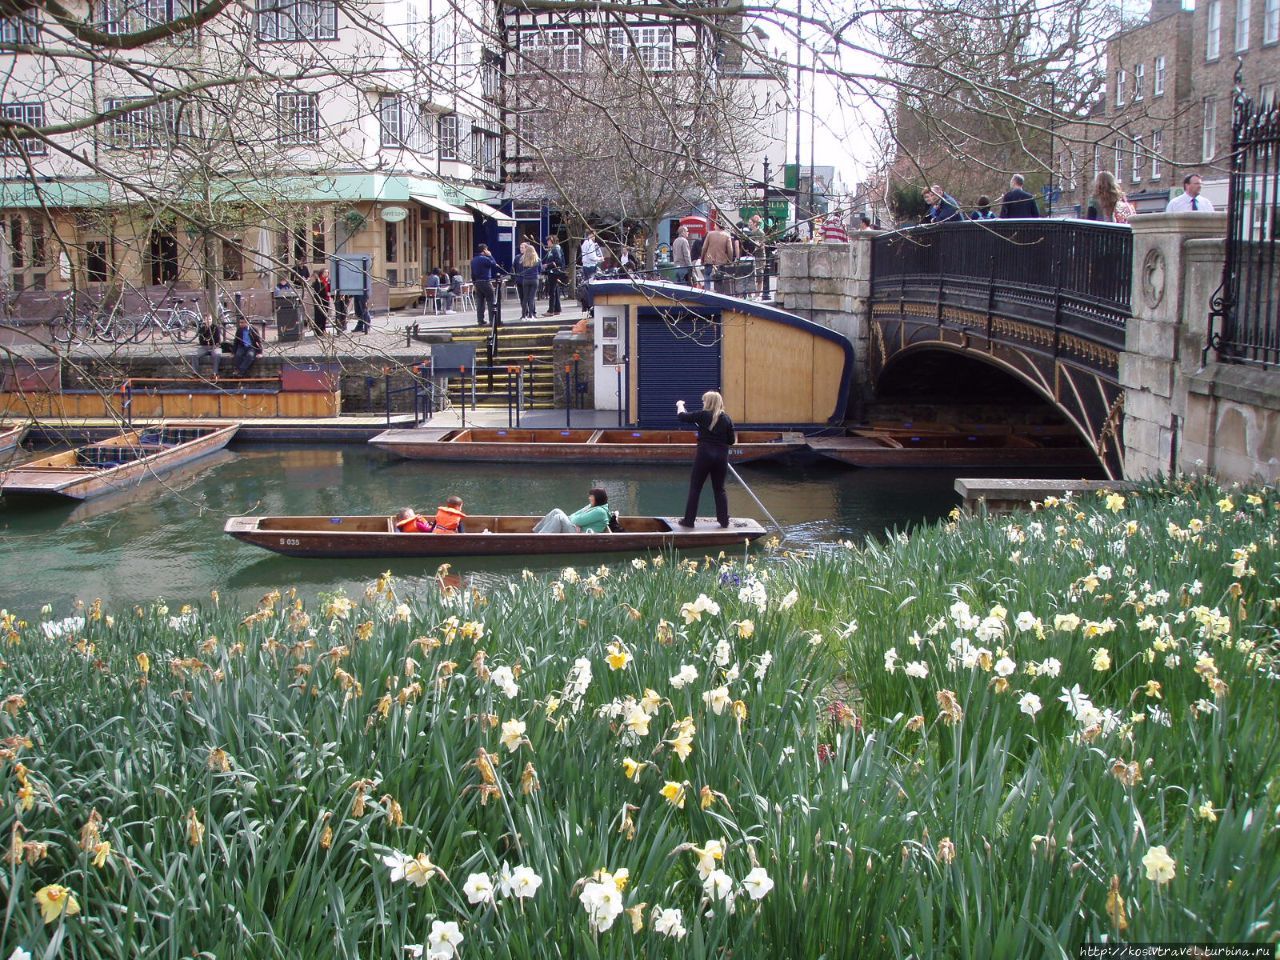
<point x="1167" y="107"/>
<point x="145" y="151"/>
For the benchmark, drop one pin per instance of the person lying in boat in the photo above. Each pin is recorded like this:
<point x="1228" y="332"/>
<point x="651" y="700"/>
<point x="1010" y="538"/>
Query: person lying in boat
<point x="450" y="518"/>
<point x="593" y="518"/>
<point x="407" y="520"/>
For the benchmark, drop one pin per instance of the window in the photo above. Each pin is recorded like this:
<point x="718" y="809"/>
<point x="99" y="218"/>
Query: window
<point x="652" y="46"/>
<point x="1243" y="16"/>
<point x="162" y="257"/>
<point x="232" y="260"/>
<point x="449" y="137"/>
<point x="1267" y="96"/>
<point x="491" y="75"/>
<point x="298" y="20"/>
<point x="477" y="147"/>
<point x="298" y="118"/>
<point x="1120" y="81"/>
<point x="1157" y="81"/>
<point x="1136" y="173"/>
<point x="19" y="30"/>
<point x="28" y="114"/>
<point x="1271" y="22"/>
<point x="96" y="265"/>
<point x="155" y="125"/>
<point x="1157" y="147"/>
<point x="392" y="236"/>
<point x="1209" y="132"/>
<point x="24" y="237"/>
<point x="491" y="152"/>
<point x="391" y="131"/>
<point x="1118" y="165"/>
<point x="118" y="17"/>
<point x="556" y="50"/>
<point x="1213" y="30"/>
<point x="1139" y="74"/>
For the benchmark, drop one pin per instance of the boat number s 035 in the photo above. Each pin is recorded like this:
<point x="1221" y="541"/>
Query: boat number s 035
<point x="290" y="542"/>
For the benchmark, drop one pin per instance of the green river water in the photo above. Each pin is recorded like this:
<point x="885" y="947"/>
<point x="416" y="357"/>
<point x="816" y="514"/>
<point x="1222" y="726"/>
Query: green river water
<point x="165" y="539"/>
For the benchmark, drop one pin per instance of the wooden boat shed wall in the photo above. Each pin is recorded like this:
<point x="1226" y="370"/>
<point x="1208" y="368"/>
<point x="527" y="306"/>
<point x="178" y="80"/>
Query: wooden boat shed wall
<point x="666" y="342"/>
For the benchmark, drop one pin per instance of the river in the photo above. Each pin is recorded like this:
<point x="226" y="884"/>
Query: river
<point x="165" y="539"/>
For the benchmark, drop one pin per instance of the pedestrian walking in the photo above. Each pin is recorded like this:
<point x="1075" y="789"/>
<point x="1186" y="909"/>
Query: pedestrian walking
<point x="553" y="271"/>
<point x="484" y="271"/>
<point x="1018" y="202"/>
<point x="363" y="319"/>
<point x="1108" y="204"/>
<point x="682" y="256"/>
<point x="711" y="459"/>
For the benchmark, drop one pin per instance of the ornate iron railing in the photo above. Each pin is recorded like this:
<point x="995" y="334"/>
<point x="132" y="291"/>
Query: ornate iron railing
<point x="1243" y="325"/>
<point x="1071" y="275"/>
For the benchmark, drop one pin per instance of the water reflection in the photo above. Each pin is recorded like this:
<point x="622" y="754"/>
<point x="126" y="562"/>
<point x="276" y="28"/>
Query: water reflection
<point x="165" y="539"/>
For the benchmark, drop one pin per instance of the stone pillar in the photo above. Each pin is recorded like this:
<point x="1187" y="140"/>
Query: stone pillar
<point x="830" y="284"/>
<point x="1156" y="338"/>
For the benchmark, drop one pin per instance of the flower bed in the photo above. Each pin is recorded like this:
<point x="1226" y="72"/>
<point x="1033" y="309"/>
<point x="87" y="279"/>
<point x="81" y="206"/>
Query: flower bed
<point x="993" y="738"/>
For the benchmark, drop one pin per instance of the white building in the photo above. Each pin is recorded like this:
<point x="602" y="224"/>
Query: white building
<point x="217" y="154"/>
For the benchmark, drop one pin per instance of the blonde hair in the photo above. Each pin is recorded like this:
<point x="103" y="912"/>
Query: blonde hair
<point x="713" y="403"/>
<point x="1108" y="193"/>
<point x="529" y="256"/>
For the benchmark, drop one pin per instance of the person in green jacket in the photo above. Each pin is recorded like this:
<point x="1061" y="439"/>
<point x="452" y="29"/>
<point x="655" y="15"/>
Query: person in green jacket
<point x="593" y="518"/>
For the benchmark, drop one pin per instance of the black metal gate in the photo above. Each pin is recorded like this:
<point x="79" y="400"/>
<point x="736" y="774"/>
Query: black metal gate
<point x="1243" y="325"/>
<point x="679" y="360"/>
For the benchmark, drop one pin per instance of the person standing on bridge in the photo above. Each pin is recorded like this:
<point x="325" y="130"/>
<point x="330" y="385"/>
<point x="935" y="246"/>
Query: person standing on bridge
<point x="1190" y="201"/>
<point x="1108" y="203"/>
<point x="943" y="208"/>
<point x="484" y="271"/>
<point x="1018" y="203"/>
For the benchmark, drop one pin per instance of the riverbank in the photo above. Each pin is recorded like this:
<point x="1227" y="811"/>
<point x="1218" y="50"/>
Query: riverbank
<point x="1063" y="731"/>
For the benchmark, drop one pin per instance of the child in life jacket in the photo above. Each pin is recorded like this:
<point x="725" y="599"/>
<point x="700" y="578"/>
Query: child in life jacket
<point x="450" y="518"/>
<point x="408" y="521"/>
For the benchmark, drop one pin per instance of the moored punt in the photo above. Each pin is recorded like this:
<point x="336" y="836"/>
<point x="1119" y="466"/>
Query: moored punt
<point x="11" y="434"/>
<point x="576" y="446"/>
<point x="118" y="463"/>
<point x="490" y="536"/>
<point x="902" y="448"/>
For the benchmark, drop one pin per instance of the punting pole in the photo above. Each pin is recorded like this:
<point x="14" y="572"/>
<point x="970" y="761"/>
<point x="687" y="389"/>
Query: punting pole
<point x="738" y="477"/>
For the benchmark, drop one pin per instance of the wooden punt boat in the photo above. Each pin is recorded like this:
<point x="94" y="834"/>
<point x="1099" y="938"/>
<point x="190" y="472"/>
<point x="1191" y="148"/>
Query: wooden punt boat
<point x="11" y="434"/>
<point x="576" y="446"/>
<point x="118" y="463"/>
<point x="953" y="448"/>
<point x="505" y="536"/>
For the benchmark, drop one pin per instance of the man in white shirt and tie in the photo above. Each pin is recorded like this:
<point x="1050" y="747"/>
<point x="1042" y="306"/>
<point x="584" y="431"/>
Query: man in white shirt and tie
<point x="1190" y="201"/>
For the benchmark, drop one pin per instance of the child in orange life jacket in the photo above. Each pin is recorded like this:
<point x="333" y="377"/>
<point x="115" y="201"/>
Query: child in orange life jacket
<point x="408" y="521"/>
<point x="449" y="518"/>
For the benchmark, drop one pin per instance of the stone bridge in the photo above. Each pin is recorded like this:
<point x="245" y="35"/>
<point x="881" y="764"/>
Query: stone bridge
<point x="1106" y="323"/>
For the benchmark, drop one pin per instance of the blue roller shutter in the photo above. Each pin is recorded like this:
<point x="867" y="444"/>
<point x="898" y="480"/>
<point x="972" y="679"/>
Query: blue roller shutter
<point x="679" y="360"/>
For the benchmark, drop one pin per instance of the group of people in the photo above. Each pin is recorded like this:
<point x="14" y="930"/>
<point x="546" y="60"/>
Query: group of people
<point x="445" y="285"/>
<point x="330" y="309"/>
<point x="531" y="266"/>
<point x="244" y="345"/>
<point x="1107" y="204"/>
<point x="716" y="434"/>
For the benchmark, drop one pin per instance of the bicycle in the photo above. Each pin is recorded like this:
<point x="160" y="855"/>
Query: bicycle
<point x="178" y="321"/>
<point x="79" y="324"/>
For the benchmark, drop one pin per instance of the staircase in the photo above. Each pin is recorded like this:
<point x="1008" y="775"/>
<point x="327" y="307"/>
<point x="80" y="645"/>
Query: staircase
<point x="517" y="344"/>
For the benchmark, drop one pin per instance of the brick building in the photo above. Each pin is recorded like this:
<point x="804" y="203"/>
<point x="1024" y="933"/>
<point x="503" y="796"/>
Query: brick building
<point x="1167" y="106"/>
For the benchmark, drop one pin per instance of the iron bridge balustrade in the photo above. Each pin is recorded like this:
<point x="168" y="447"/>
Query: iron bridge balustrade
<point x="1070" y="276"/>
<point x="1243" y="324"/>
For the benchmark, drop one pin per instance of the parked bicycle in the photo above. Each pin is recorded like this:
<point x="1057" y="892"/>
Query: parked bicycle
<point x="177" y="322"/>
<point x="85" y="321"/>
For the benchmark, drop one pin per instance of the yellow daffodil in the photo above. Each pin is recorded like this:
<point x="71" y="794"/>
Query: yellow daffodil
<point x="1102" y="659"/>
<point x="1115" y="906"/>
<point x="1153" y="689"/>
<point x="631" y="768"/>
<point x="1206" y="812"/>
<point x="100" y="853"/>
<point x="673" y="793"/>
<point x="195" y="829"/>
<point x="56" y="901"/>
<point x="1225" y="505"/>
<point x="746" y="629"/>
<point x="1114" y="502"/>
<point x="618" y="656"/>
